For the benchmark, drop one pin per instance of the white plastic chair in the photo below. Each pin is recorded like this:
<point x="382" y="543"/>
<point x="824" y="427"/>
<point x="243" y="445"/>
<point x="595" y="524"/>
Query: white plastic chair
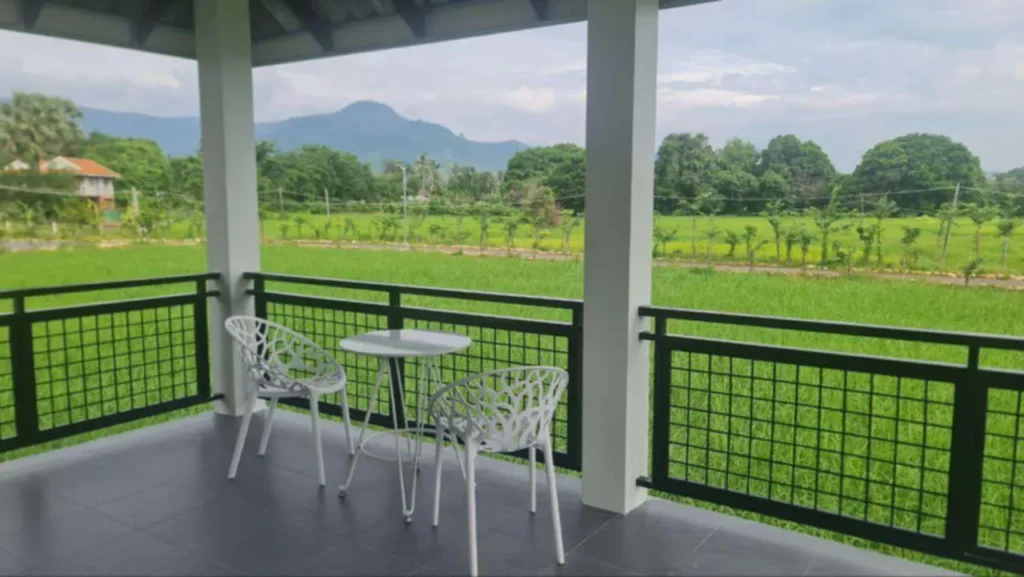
<point x="282" y="363"/>
<point x="501" y="411"/>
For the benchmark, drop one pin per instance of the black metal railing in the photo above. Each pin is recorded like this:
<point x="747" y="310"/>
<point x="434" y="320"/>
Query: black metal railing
<point x="923" y="455"/>
<point x="71" y="369"/>
<point x="543" y="331"/>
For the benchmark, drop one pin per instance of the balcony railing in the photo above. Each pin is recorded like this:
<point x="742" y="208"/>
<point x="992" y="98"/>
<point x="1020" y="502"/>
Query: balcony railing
<point x="923" y="455"/>
<point x="535" y="336"/>
<point x="916" y="453"/>
<point x="72" y="369"/>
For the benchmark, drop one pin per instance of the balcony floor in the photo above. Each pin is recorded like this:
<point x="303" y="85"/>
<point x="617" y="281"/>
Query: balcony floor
<point x="157" y="502"/>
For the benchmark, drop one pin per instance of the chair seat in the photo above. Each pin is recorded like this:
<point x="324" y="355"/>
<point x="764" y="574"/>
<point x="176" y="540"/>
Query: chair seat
<point x="322" y="386"/>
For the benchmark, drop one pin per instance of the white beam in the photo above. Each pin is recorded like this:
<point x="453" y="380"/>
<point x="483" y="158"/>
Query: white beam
<point x="622" y="51"/>
<point x="224" y="54"/>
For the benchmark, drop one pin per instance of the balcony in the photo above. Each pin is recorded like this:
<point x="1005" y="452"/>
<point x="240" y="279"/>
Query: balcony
<point x="156" y="501"/>
<point x="918" y="455"/>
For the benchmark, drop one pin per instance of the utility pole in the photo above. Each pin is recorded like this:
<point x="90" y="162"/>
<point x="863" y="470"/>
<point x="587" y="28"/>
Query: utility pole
<point x="135" y="202"/>
<point x="327" y="203"/>
<point x="949" y="224"/>
<point x="405" y="202"/>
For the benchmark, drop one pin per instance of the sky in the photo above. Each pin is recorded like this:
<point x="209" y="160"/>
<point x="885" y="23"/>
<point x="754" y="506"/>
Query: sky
<point x="845" y="73"/>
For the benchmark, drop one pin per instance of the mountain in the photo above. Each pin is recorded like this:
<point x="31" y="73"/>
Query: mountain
<point x="370" y="130"/>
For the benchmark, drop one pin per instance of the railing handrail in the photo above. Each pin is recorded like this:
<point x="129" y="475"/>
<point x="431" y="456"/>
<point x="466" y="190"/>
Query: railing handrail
<point x="106" y="285"/>
<point x="984" y="340"/>
<point x="505" y="298"/>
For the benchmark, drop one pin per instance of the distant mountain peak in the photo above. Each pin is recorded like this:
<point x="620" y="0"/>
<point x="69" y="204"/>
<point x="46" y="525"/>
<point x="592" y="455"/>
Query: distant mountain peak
<point x="372" y="131"/>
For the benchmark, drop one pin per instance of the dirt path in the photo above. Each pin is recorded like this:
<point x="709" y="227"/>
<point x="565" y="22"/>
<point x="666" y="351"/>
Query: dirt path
<point x="1012" y="283"/>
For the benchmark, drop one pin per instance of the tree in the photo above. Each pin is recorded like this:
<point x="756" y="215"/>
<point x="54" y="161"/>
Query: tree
<point x="736" y="187"/>
<point x="791" y="238"/>
<point x="979" y="213"/>
<point x="711" y="234"/>
<point x="806" y="238"/>
<point x="772" y="185"/>
<point x="663" y="235"/>
<point x="511" y="228"/>
<point x="739" y="154"/>
<point x="1005" y="228"/>
<point x="774" y="213"/>
<point x="971" y="269"/>
<point x="567" y="223"/>
<point x="684" y="168"/>
<point x="825" y="218"/>
<point x="947" y="214"/>
<point x="705" y="203"/>
<point x="484" y="221"/>
<point x="36" y="127"/>
<point x="561" y="167"/>
<point x="732" y="239"/>
<point x="867" y="235"/>
<point x="185" y="177"/>
<point x="749" y="235"/>
<point x="917" y="162"/>
<point x="140" y="162"/>
<point x="910" y="250"/>
<point x="299" y="221"/>
<point x="881" y="209"/>
<point x="428" y="172"/>
<point x="804" y="166"/>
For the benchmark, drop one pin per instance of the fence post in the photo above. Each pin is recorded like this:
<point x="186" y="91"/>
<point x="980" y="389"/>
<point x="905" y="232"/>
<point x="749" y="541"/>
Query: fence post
<point x="26" y="416"/>
<point x="662" y="402"/>
<point x="574" y="446"/>
<point x="397" y="368"/>
<point x="967" y="454"/>
<point x="259" y="297"/>
<point x="201" y="326"/>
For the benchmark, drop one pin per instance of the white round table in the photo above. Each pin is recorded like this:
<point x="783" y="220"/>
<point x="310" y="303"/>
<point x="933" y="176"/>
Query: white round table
<point x="390" y="347"/>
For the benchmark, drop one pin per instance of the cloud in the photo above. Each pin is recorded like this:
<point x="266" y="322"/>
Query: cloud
<point x="530" y="99"/>
<point x="715" y="67"/>
<point x="706" y="97"/>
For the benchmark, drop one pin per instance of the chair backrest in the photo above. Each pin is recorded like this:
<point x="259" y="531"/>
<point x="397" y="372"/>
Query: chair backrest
<point x="502" y="411"/>
<point x="277" y="357"/>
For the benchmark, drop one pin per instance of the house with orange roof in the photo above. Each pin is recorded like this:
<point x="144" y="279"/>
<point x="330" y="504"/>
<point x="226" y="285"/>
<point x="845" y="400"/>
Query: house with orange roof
<point x="95" y="181"/>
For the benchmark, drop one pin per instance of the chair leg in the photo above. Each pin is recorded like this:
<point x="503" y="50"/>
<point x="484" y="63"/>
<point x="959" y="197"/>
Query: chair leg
<point x="533" y="479"/>
<point x="439" y="448"/>
<point x="348" y="422"/>
<point x="267" y="424"/>
<point x="243" y="431"/>
<point x="314" y="412"/>
<point x="556" y="520"/>
<point x="471" y="505"/>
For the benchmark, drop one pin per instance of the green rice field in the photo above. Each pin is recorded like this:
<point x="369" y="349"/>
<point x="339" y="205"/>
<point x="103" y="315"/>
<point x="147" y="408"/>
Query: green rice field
<point x="759" y="428"/>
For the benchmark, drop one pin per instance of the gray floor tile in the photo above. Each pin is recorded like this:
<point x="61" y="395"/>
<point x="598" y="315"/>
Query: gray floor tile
<point x="349" y="559"/>
<point x="195" y="566"/>
<point x="53" y="538"/>
<point x="645" y="545"/>
<point x="130" y="554"/>
<point x="211" y="528"/>
<point x="24" y="504"/>
<point x="497" y="554"/>
<point x="578" y="523"/>
<point x="275" y="549"/>
<point x="151" y="506"/>
<point x="583" y="566"/>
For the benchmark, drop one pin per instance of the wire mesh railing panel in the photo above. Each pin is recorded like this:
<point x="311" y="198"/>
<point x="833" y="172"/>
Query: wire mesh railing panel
<point x="861" y="445"/>
<point x="8" y="424"/>
<point x="493" y="348"/>
<point x="1002" y="489"/>
<point x="91" y="366"/>
<point x="327" y="324"/>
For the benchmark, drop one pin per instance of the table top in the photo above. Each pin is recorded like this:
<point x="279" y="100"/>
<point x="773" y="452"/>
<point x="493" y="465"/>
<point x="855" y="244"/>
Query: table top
<point x="405" y="343"/>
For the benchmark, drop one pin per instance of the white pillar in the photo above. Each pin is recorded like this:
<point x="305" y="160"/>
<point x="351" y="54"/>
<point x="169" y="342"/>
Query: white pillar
<point x="622" y="49"/>
<point x="224" y="53"/>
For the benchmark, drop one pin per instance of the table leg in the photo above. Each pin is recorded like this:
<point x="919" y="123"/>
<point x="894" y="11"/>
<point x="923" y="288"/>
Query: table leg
<point x="398" y="406"/>
<point x="382" y="369"/>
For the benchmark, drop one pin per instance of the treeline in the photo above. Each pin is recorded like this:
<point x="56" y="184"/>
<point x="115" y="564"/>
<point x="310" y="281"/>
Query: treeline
<point x="919" y="173"/>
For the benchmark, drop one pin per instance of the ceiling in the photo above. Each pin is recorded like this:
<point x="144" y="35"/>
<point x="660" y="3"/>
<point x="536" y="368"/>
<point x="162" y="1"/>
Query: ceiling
<point x="290" y="30"/>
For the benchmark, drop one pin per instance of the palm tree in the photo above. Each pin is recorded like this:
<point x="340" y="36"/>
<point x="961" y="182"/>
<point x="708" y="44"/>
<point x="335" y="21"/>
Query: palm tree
<point x="1005" y="229"/>
<point x="429" y="172"/>
<point x="35" y="127"/>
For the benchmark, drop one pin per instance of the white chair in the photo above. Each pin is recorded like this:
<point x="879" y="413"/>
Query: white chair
<point x="501" y="411"/>
<point x="282" y="363"/>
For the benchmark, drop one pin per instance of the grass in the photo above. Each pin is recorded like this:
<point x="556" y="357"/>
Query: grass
<point x="753" y="427"/>
<point x="960" y="252"/>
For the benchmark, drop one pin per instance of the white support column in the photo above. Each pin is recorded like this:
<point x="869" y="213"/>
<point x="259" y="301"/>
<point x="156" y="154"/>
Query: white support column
<point x="622" y="50"/>
<point x="224" y="53"/>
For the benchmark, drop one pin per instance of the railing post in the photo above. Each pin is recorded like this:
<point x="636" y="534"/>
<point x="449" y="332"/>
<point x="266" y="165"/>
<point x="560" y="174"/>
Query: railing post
<point x="201" y="326"/>
<point x="966" y="460"/>
<point x="575" y="406"/>
<point x="662" y="401"/>
<point x="23" y="371"/>
<point x="259" y="297"/>
<point x="397" y="369"/>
